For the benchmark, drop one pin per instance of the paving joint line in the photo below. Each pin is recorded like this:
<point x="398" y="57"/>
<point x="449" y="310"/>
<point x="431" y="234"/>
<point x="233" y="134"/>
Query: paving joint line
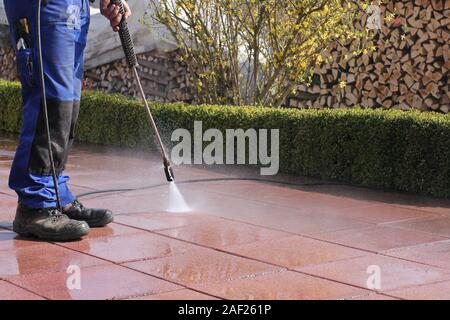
<point x="424" y="210"/>
<point x="23" y="288"/>
<point x="7" y="194"/>
<point x="419" y="231"/>
<point x="283" y="205"/>
<point x="121" y="264"/>
<point x="417" y="286"/>
<point x="105" y="260"/>
<point x="254" y="225"/>
<point x="344" y="245"/>
<point x="284" y="267"/>
<point x="149" y="295"/>
<point x="256" y="260"/>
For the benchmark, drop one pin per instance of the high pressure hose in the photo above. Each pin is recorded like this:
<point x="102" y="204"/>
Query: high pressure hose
<point x="130" y="55"/>
<point x="211" y="180"/>
<point x="44" y="105"/>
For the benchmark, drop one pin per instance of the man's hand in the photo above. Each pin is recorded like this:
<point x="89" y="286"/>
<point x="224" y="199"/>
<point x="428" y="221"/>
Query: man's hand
<point x="111" y="12"/>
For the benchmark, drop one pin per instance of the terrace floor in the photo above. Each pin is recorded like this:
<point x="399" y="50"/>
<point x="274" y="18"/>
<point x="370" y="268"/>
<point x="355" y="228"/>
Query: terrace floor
<point x="243" y="239"/>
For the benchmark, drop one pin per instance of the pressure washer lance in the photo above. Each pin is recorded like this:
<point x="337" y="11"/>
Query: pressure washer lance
<point x="128" y="48"/>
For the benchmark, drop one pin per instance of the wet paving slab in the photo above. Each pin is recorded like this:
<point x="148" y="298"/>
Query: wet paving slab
<point x="202" y="265"/>
<point x="285" y="285"/>
<point x="434" y="291"/>
<point x="285" y="238"/>
<point x="184" y="294"/>
<point x="98" y="282"/>
<point x="435" y="253"/>
<point x="394" y="273"/>
<point x="9" y="291"/>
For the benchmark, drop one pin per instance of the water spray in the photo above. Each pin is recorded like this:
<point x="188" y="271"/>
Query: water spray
<point x="130" y="55"/>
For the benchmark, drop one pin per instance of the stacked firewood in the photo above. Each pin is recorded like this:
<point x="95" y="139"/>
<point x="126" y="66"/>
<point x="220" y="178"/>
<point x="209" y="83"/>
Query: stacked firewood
<point x="8" y="64"/>
<point x="164" y="79"/>
<point x="408" y="70"/>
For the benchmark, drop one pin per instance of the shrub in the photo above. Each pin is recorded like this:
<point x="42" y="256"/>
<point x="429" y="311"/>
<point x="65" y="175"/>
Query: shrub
<point x="256" y="52"/>
<point x="10" y="106"/>
<point x="389" y="149"/>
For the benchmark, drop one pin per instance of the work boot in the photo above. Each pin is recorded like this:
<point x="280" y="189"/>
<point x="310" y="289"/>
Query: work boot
<point x="47" y="224"/>
<point x="95" y="218"/>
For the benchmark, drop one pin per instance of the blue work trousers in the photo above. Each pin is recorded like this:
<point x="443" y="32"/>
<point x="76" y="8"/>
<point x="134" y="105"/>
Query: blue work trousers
<point x="64" y="28"/>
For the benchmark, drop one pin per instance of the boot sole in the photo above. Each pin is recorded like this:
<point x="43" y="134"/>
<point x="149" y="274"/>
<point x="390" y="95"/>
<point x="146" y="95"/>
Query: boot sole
<point x="26" y="233"/>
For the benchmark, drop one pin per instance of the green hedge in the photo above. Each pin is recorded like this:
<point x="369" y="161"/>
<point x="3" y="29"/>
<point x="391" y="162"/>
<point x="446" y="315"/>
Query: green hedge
<point x="406" y="151"/>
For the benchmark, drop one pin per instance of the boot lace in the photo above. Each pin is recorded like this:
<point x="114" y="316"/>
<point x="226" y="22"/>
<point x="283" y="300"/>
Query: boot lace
<point x="77" y="204"/>
<point x="55" y="215"/>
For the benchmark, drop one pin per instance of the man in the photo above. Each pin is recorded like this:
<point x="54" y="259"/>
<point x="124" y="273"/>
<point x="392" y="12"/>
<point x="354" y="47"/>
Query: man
<point x="64" y="28"/>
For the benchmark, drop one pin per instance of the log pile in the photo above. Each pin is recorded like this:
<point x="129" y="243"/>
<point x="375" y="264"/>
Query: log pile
<point x="408" y="70"/>
<point x="163" y="78"/>
<point x="8" y="64"/>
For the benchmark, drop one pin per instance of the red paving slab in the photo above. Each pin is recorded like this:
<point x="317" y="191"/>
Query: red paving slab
<point x="185" y="294"/>
<point x="295" y="252"/>
<point x="439" y="206"/>
<point x="308" y="201"/>
<point x="164" y="220"/>
<point x="434" y="253"/>
<point x="380" y="214"/>
<point x="379" y="238"/>
<point x="270" y="216"/>
<point x="118" y="203"/>
<point x="223" y="233"/>
<point x="11" y="241"/>
<point x="312" y="224"/>
<point x="435" y="291"/>
<point x="373" y="296"/>
<point x="131" y="247"/>
<point x="200" y="200"/>
<point x="4" y="176"/>
<point x="203" y="266"/>
<point x="42" y="258"/>
<point x="285" y="285"/>
<point x="11" y="292"/>
<point x="411" y="202"/>
<point x="7" y="209"/>
<point x="113" y="229"/>
<point x="98" y="282"/>
<point x="394" y="273"/>
<point x="435" y="225"/>
<point x="272" y="241"/>
<point x="239" y="206"/>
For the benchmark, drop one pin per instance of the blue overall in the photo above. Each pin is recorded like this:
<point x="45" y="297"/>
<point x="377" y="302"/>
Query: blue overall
<point x="64" y="28"/>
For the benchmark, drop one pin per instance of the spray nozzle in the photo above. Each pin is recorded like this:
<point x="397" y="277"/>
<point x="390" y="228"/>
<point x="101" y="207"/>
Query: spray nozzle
<point x="169" y="174"/>
<point x="169" y="171"/>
